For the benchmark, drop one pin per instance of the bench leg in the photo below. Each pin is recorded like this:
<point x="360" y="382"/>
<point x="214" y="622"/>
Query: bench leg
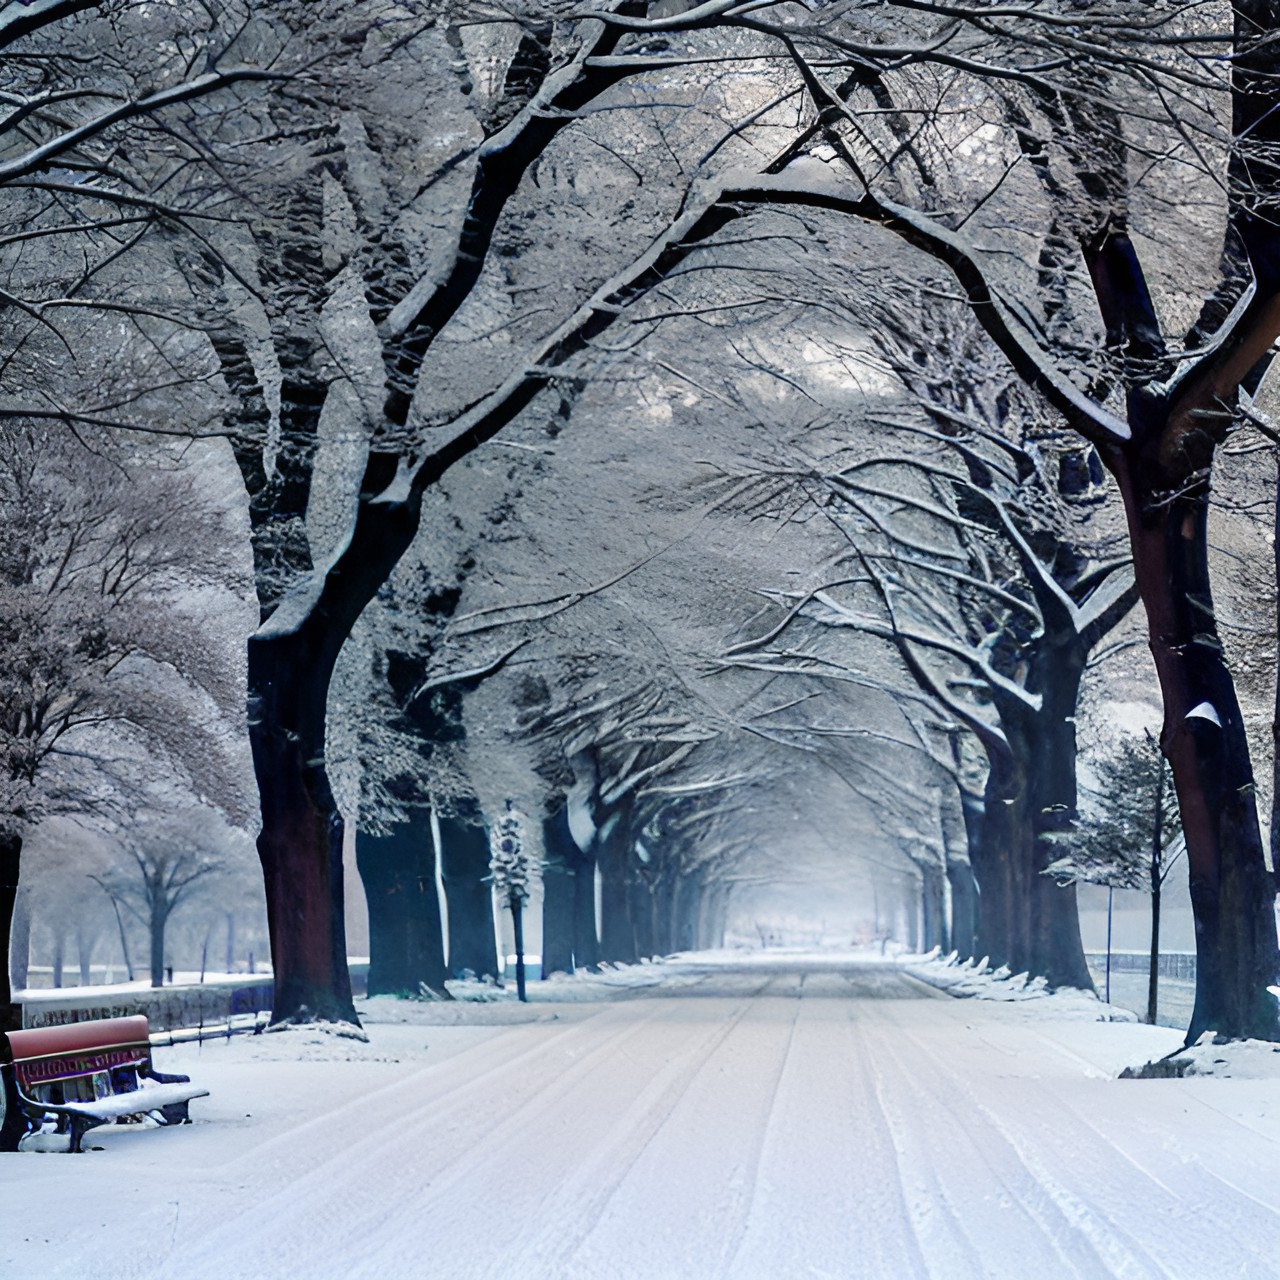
<point x="80" y="1125"/>
<point x="176" y="1113"/>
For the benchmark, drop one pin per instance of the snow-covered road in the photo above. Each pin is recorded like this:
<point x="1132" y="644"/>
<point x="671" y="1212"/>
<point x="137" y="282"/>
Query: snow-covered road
<point x="795" y="1119"/>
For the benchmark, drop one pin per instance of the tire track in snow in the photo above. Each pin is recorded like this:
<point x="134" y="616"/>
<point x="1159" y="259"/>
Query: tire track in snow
<point x="698" y="1171"/>
<point x="1241" y="1222"/>
<point x="1242" y="1235"/>
<point x="317" y="1212"/>
<point x="822" y="1208"/>
<point x="356" y="1111"/>
<point x="1090" y="1245"/>
<point x="942" y="1234"/>
<point x="546" y="1248"/>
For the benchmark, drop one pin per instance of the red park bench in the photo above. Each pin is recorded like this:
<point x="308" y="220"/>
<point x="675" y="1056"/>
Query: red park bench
<point x="86" y="1074"/>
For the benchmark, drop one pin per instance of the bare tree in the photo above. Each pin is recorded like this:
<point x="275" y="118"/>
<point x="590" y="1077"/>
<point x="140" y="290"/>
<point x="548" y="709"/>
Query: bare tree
<point x="170" y="865"/>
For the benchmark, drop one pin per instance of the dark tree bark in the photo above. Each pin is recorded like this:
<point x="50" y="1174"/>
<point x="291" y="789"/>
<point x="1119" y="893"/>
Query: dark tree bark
<point x="464" y="868"/>
<point x="10" y="868"/>
<point x="933" y="915"/>
<point x="613" y="856"/>
<point x="642" y="914"/>
<point x="684" y="913"/>
<point x="13" y="1125"/>
<point x="1056" y="949"/>
<point x="964" y="906"/>
<point x="158" y="921"/>
<point x="1203" y="734"/>
<point x="406" y="943"/>
<point x="586" y="932"/>
<point x="1025" y="920"/>
<point x="559" y="880"/>
<point x="664" y="909"/>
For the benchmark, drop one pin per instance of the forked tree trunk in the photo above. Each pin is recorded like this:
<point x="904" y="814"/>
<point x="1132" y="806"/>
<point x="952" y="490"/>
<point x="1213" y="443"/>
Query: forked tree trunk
<point x="1203" y="738"/>
<point x="290" y="665"/>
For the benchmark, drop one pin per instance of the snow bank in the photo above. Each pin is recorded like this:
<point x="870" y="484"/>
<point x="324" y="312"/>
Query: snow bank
<point x="975" y="979"/>
<point x="1212" y="1056"/>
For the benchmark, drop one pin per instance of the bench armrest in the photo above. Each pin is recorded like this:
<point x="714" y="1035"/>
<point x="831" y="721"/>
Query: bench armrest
<point x="162" y="1077"/>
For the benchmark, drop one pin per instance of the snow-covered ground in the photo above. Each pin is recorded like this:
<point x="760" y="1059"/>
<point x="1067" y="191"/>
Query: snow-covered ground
<point x="767" y="1116"/>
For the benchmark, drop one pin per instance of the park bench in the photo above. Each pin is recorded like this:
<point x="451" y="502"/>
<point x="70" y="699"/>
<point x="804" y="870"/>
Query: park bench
<point x="87" y="1074"/>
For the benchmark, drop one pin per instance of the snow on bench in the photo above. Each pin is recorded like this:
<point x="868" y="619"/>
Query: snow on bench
<point x="86" y="1074"/>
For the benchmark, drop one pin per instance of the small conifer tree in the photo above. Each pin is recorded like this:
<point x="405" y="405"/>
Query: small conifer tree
<point x="511" y="869"/>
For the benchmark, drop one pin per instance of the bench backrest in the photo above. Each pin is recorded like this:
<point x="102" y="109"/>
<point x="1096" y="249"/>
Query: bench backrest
<point x="51" y="1055"/>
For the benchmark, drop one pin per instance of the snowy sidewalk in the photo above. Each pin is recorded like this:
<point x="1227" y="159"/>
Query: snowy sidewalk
<point x="789" y="1119"/>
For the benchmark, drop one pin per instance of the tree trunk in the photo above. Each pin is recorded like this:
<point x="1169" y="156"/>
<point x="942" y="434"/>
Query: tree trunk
<point x="911" y="920"/>
<point x="1049" y="743"/>
<point x="13" y="1125"/>
<point x="1204" y="740"/>
<point x="684" y="913"/>
<point x="159" y="919"/>
<point x="558" y="884"/>
<point x="517" y="928"/>
<point x="617" y="933"/>
<point x="709" y="930"/>
<point x="300" y="844"/>
<point x="406" y="945"/>
<point x="964" y="906"/>
<point x="994" y="866"/>
<point x="10" y="868"/>
<point x="642" y="912"/>
<point x="586" y="933"/>
<point x="933" y="923"/>
<point x="84" y="954"/>
<point x="664" y="913"/>
<point x="59" y="954"/>
<point x="15" y="926"/>
<point x="464" y="867"/>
